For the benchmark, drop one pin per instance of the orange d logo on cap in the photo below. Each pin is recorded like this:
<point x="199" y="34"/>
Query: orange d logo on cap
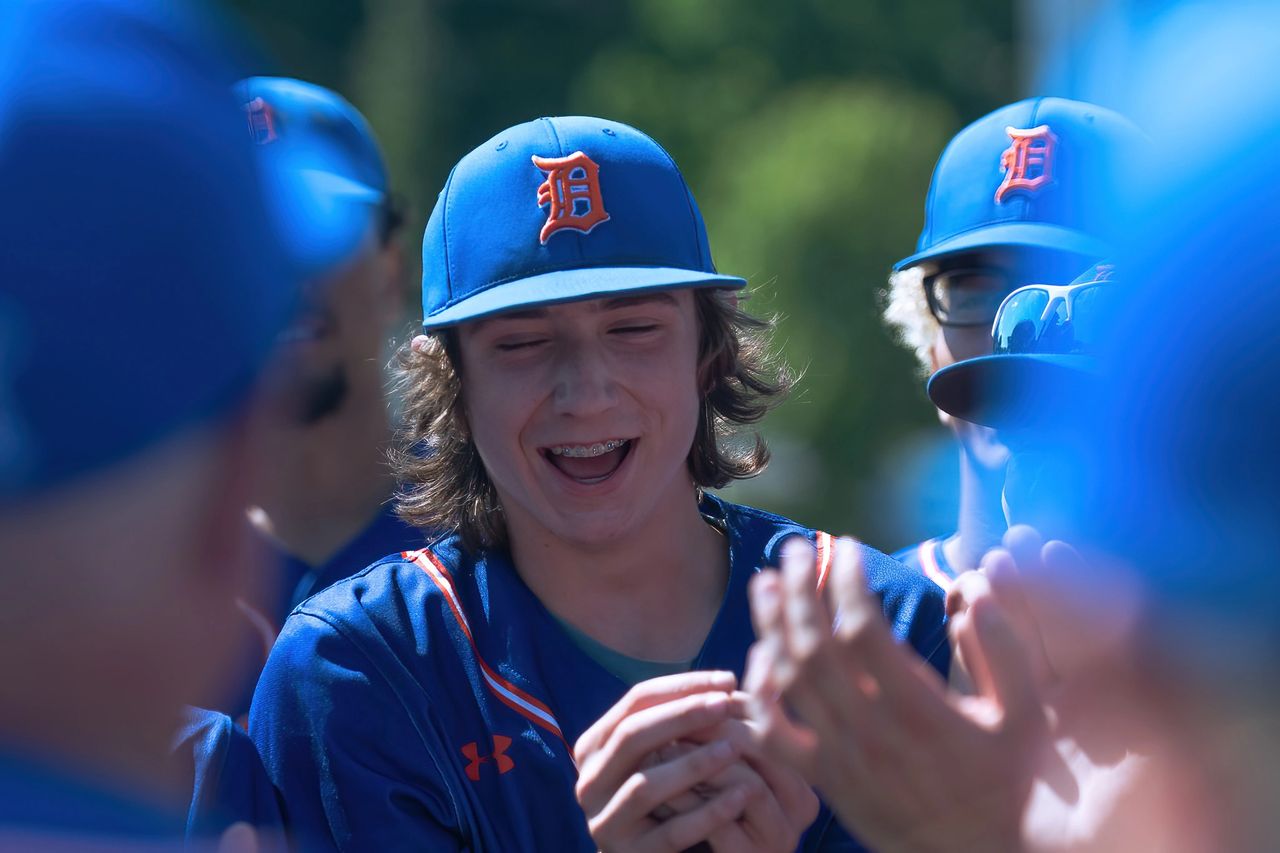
<point x="1028" y="161"/>
<point x="572" y="188"/>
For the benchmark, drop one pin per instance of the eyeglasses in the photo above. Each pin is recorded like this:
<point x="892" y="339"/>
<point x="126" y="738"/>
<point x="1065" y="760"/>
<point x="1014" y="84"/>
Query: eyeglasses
<point x="1045" y="318"/>
<point x="968" y="296"/>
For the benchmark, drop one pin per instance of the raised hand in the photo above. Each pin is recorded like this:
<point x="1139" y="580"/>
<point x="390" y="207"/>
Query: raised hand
<point x="905" y="763"/>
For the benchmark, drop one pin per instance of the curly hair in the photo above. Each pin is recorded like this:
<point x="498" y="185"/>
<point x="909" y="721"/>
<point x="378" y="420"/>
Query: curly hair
<point x="444" y="485"/>
<point x="906" y="311"/>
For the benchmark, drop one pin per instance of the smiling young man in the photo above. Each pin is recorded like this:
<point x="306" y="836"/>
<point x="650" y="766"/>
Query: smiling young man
<point x="582" y="366"/>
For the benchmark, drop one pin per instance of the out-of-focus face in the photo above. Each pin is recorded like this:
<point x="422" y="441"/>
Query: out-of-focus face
<point x="332" y="354"/>
<point x="964" y="291"/>
<point x="584" y="413"/>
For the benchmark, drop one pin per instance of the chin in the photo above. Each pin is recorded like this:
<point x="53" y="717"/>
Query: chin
<point x="595" y="530"/>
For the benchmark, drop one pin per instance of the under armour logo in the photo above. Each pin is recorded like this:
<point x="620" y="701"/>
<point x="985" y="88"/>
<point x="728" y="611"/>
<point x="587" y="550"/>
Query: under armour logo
<point x="572" y="188"/>
<point x="499" y="757"/>
<point x="262" y="121"/>
<point x="1028" y="161"/>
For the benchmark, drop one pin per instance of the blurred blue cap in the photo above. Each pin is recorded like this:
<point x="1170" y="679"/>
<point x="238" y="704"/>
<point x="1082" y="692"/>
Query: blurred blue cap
<point x="556" y="210"/>
<point x="1038" y="174"/>
<point x="143" y="279"/>
<point x="335" y="151"/>
<point x="1035" y="381"/>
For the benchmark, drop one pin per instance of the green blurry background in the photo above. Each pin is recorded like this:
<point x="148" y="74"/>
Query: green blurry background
<point x="807" y="130"/>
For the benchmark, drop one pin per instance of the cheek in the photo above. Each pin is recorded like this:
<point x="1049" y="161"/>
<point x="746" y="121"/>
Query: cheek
<point x="494" y="414"/>
<point x="959" y="344"/>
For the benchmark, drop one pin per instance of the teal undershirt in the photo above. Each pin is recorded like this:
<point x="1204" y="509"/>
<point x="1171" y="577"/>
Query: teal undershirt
<point x="629" y="670"/>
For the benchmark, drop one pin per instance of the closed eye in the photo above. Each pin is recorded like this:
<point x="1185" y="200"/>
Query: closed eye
<point x="635" y="328"/>
<point x="515" y="346"/>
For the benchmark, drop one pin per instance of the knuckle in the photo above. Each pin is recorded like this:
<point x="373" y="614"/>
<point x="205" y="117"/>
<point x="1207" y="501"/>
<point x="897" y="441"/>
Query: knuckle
<point x="857" y="631"/>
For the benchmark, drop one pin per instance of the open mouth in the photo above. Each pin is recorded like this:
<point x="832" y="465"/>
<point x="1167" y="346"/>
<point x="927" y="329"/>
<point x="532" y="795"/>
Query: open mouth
<point x="589" y="464"/>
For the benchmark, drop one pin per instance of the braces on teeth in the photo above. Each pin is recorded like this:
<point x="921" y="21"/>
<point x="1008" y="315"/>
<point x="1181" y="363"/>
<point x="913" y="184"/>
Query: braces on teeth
<point x="597" y="449"/>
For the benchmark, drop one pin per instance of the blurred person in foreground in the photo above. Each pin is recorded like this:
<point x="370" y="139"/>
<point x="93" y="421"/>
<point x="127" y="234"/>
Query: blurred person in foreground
<point x="148" y="269"/>
<point x="1019" y="196"/>
<point x="558" y="671"/>
<point x="321" y="497"/>
<point x="863" y="715"/>
<point x="1135" y="672"/>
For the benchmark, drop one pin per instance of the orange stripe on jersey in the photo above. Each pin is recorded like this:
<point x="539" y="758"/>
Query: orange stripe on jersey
<point x="509" y="694"/>
<point x="929" y="562"/>
<point x="267" y="631"/>
<point x="826" y="545"/>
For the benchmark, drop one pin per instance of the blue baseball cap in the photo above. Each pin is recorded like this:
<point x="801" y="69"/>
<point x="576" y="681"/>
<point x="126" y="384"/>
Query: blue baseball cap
<point x="144" y="277"/>
<point x="326" y="147"/>
<point x="556" y="210"/>
<point x="1037" y="174"/>
<point x="1045" y="356"/>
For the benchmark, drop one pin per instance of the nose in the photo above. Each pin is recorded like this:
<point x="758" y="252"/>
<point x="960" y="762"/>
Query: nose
<point x="584" y="381"/>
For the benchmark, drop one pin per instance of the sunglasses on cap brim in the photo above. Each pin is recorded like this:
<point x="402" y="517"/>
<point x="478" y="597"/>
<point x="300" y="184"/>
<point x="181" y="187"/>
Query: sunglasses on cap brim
<point x="1052" y="319"/>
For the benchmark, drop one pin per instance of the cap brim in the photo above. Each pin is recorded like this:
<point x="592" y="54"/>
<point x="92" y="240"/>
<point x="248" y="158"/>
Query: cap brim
<point x="1033" y="235"/>
<point x="572" y="285"/>
<point x="332" y="185"/>
<point x="1004" y="391"/>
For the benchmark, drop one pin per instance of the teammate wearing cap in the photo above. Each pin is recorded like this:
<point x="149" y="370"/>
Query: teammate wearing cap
<point x="322" y="499"/>
<point x="142" y="287"/>
<point x="1042" y="364"/>
<point x="581" y="363"/>
<point x="1019" y="196"/>
<point x="860" y="710"/>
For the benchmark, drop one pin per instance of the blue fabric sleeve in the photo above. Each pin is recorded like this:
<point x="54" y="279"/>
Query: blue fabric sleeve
<point x="229" y="784"/>
<point x="352" y="766"/>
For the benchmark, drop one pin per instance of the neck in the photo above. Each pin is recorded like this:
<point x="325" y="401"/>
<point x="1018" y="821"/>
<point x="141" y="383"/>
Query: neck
<point x="327" y="480"/>
<point x="981" y="523"/>
<point x="652" y="593"/>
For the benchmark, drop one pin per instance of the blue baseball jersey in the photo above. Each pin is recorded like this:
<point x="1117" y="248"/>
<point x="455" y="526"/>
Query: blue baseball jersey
<point x="430" y="701"/>
<point x="229" y="783"/>
<point x="297" y="580"/>
<point x="929" y="559"/>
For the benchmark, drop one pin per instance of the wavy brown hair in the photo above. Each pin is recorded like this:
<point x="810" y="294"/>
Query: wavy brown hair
<point x="444" y="486"/>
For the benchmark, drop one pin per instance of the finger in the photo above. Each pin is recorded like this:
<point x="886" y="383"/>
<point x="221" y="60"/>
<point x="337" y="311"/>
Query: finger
<point x="795" y="797"/>
<point x="1009" y="589"/>
<point x="239" y="838"/>
<point x="646" y="694"/>
<point x="1024" y="543"/>
<point x="1000" y="665"/>
<point x="758" y="677"/>
<point x="686" y="830"/>
<point x="641" y="793"/>
<point x="603" y="771"/>
<point x="790" y="743"/>
<point x="763" y="825"/>
<point x="807" y="670"/>
<point x="689" y="799"/>
<point x="765" y="594"/>
<point x="903" y="688"/>
<point x="806" y="623"/>
<point x="964" y="589"/>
